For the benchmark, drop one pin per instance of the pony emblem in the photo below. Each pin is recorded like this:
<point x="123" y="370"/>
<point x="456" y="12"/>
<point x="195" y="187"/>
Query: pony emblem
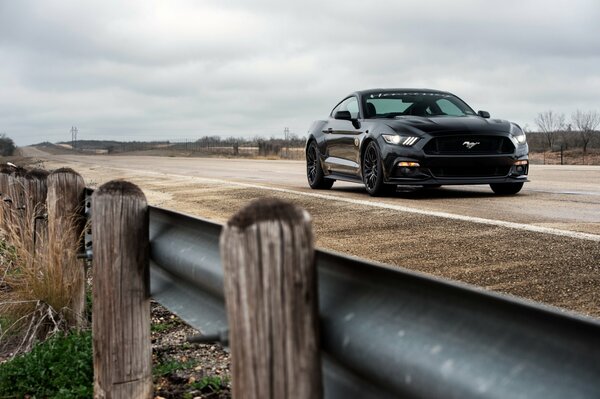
<point x="470" y="144"/>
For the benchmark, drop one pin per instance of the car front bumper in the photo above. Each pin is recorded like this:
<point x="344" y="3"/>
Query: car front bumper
<point x="426" y="169"/>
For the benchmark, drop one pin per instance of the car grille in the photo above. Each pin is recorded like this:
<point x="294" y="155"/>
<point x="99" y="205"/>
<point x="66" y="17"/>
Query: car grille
<point x="465" y="171"/>
<point x="459" y="145"/>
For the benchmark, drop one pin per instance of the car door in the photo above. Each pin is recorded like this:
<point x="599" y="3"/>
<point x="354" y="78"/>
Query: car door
<point x="341" y="139"/>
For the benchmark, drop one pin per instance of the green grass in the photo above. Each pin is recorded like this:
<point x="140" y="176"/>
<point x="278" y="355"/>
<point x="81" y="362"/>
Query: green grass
<point x="162" y="327"/>
<point x="210" y="384"/>
<point x="172" y="366"/>
<point x="207" y="385"/>
<point x="60" y="367"/>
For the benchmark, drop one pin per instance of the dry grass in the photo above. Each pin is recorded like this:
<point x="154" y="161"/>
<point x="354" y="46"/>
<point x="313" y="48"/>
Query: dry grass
<point x="570" y="157"/>
<point x="38" y="280"/>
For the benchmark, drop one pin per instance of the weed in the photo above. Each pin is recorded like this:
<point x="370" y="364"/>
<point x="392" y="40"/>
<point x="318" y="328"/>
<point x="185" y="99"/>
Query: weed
<point x="171" y="366"/>
<point x="60" y="367"/>
<point x="210" y="384"/>
<point x="162" y="327"/>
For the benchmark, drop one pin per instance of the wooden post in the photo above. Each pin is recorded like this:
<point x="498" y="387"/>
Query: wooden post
<point x="11" y="186"/>
<point x="17" y="188"/>
<point x="121" y="293"/>
<point x="65" y="200"/>
<point x="5" y="177"/>
<point x="36" y="190"/>
<point x="272" y="302"/>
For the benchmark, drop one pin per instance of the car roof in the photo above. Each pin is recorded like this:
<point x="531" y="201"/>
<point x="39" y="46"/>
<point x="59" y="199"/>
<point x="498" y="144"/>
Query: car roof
<point x="409" y="90"/>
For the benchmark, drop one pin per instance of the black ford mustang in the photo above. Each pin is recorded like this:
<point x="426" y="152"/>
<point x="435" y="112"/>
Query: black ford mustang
<point x="388" y="137"/>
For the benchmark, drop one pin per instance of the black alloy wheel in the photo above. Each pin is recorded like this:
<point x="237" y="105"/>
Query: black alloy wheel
<point x="314" y="171"/>
<point x="372" y="171"/>
<point x="506" y="188"/>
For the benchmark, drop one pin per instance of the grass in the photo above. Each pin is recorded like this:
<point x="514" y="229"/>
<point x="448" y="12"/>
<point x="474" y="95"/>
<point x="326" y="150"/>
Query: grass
<point x="210" y="384"/>
<point x="207" y="385"/>
<point x="60" y="367"/>
<point x="171" y="366"/>
<point x="162" y="327"/>
<point x="37" y="285"/>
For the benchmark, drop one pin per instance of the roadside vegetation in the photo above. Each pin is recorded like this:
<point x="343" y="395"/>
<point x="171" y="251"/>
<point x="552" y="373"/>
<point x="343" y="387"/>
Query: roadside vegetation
<point x="562" y="140"/>
<point x="45" y="348"/>
<point x="60" y="367"/>
<point x="7" y="146"/>
<point x="35" y="289"/>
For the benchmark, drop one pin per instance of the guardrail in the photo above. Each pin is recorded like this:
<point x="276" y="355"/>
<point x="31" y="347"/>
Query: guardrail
<point x="396" y="333"/>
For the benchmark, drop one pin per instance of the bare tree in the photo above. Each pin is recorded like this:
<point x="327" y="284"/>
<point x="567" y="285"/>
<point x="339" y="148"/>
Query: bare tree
<point x="566" y="134"/>
<point x="586" y="123"/>
<point x="550" y="124"/>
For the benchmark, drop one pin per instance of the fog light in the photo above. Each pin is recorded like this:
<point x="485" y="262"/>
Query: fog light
<point x="520" y="167"/>
<point x="408" y="164"/>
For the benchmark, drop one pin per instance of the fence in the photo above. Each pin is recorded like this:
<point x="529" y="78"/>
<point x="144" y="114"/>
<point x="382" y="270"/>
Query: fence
<point x="287" y="149"/>
<point x="40" y="215"/>
<point x="337" y="326"/>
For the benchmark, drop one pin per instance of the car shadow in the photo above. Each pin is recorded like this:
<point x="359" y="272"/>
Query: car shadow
<point x="418" y="192"/>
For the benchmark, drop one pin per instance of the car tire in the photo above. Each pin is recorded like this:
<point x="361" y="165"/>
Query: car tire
<point x="506" y="188"/>
<point x="372" y="172"/>
<point x="314" y="171"/>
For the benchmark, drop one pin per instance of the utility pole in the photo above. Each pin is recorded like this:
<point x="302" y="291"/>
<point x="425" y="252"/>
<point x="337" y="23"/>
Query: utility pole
<point x="286" y="135"/>
<point x="73" y="136"/>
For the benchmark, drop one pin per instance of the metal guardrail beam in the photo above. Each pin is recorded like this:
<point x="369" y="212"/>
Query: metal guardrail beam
<point x="395" y="333"/>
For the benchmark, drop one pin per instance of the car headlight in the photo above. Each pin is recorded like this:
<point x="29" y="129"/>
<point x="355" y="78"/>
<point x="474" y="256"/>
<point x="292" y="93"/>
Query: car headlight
<point x="518" y="133"/>
<point x="396" y="139"/>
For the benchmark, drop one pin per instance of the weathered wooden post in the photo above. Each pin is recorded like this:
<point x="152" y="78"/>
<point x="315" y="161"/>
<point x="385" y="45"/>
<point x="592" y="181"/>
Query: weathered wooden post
<point x="65" y="200"/>
<point x="5" y="172"/>
<point x="121" y="293"/>
<point x="17" y="188"/>
<point x="12" y="200"/>
<point x="36" y="190"/>
<point x="272" y="304"/>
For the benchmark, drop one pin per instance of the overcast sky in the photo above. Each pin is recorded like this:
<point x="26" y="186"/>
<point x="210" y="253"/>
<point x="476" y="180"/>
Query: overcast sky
<point x="138" y="70"/>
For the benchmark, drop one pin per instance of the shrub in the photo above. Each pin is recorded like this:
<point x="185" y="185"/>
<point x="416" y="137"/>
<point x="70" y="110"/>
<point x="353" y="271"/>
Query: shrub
<point x="7" y="146"/>
<point x="60" y="367"/>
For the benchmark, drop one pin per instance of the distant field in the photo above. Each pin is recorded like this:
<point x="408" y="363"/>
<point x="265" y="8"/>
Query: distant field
<point x="180" y="150"/>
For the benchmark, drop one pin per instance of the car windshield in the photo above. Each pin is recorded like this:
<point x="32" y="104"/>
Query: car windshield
<point x="393" y="104"/>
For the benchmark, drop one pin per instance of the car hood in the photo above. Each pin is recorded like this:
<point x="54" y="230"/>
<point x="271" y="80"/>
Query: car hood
<point x="435" y="124"/>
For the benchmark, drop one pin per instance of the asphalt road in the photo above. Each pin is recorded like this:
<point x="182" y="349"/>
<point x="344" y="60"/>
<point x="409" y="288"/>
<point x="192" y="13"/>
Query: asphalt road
<point x="559" y="197"/>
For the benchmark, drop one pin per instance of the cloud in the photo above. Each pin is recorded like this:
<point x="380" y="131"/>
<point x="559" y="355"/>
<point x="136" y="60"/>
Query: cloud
<point x="156" y="70"/>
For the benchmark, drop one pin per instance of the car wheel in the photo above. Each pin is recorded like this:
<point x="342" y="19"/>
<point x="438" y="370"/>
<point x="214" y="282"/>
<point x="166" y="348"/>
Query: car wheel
<point x="506" y="188"/>
<point x="314" y="171"/>
<point x="372" y="171"/>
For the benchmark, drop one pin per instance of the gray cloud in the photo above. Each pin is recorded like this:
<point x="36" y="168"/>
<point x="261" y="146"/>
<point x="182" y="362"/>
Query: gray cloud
<point x="156" y="70"/>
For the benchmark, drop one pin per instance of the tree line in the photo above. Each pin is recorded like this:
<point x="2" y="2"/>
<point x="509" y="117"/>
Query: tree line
<point x="557" y="131"/>
<point x="7" y="146"/>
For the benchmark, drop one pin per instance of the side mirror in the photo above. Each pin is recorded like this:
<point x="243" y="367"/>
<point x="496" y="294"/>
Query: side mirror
<point x="343" y="115"/>
<point x="484" y="114"/>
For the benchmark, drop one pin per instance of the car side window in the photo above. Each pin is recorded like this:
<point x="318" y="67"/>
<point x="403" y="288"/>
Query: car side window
<point x="350" y="104"/>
